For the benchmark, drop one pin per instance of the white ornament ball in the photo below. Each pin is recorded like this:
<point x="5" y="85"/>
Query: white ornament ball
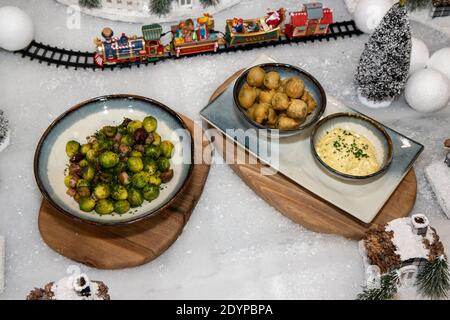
<point x="369" y="13"/>
<point x="427" y="90"/>
<point x="419" y="55"/>
<point x="440" y="61"/>
<point x="16" y="28"/>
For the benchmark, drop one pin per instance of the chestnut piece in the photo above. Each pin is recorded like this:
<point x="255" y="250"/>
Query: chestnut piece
<point x="166" y="176"/>
<point x="140" y="135"/>
<point x="126" y="121"/>
<point x="124" y="179"/>
<point x="76" y="158"/>
<point x="74" y="168"/>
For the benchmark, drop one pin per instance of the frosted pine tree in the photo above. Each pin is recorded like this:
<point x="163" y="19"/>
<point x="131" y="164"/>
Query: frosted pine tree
<point x="208" y="3"/>
<point x="384" y="64"/>
<point x="90" y="3"/>
<point x="160" y="7"/>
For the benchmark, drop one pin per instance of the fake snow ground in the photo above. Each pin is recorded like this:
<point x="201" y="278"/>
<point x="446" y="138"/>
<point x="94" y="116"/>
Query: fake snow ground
<point x="235" y="245"/>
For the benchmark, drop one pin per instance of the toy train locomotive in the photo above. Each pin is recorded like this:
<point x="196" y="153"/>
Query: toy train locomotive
<point x="189" y="37"/>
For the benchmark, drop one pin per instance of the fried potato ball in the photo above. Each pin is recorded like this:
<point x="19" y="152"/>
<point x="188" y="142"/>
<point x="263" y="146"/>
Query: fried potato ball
<point x="295" y="87"/>
<point x="247" y="97"/>
<point x="272" y="117"/>
<point x="280" y="101"/>
<point x="272" y="80"/>
<point x="297" y="109"/>
<point x="250" y="112"/>
<point x="310" y="101"/>
<point x="255" y="77"/>
<point x="287" y="123"/>
<point x="261" y="112"/>
<point x="266" y="96"/>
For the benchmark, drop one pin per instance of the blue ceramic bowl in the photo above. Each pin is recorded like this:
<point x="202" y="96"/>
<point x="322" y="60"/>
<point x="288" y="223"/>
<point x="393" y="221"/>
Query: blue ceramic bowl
<point x="285" y="71"/>
<point x="365" y="126"/>
<point x="77" y="123"/>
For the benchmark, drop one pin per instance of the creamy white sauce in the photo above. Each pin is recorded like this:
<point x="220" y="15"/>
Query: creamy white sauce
<point x="348" y="152"/>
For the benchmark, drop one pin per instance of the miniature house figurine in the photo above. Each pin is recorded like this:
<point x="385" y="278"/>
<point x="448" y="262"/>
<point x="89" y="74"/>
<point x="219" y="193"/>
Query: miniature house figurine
<point x="405" y="246"/>
<point x="139" y="10"/>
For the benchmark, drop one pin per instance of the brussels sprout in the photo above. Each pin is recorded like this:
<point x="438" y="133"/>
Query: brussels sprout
<point x="140" y="179"/>
<point x="108" y="159"/>
<point x="72" y="148"/>
<point x="67" y="180"/>
<point x="82" y="183"/>
<point x="154" y="179"/>
<point x="91" y="155"/>
<point x="86" y="204"/>
<point x="104" y="206"/>
<point x="151" y="167"/>
<point x="88" y="173"/>
<point x="135" y="198"/>
<point x="157" y="139"/>
<point x="102" y="191"/>
<point x="109" y="131"/>
<point x="135" y="164"/>
<point x="100" y="145"/>
<point x="83" y="163"/>
<point x="84" y="191"/>
<point x="85" y="148"/>
<point x="152" y="151"/>
<point x="133" y="125"/>
<point x="167" y="148"/>
<point x="163" y="164"/>
<point x="121" y="206"/>
<point x="127" y="140"/>
<point x="135" y="153"/>
<point x="151" y="192"/>
<point x="150" y="124"/>
<point x="119" y="193"/>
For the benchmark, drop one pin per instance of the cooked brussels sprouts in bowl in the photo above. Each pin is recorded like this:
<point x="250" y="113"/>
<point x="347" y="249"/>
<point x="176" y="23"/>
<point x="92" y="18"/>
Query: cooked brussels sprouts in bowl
<point x="114" y="159"/>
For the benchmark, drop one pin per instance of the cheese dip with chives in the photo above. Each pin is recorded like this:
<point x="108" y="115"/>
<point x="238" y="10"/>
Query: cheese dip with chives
<point x="348" y="152"/>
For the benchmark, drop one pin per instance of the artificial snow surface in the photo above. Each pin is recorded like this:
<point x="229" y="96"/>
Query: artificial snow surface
<point x="235" y="245"/>
<point x="408" y="244"/>
<point x="438" y="175"/>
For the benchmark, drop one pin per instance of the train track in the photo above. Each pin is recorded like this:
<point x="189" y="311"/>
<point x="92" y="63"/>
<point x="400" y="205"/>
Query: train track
<point x="85" y="60"/>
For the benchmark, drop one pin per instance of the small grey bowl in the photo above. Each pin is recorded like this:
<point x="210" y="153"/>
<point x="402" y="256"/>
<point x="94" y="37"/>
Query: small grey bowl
<point x="285" y="71"/>
<point x="363" y="125"/>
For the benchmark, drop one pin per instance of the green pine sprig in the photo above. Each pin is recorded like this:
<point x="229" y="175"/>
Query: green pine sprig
<point x="387" y="290"/>
<point x="433" y="280"/>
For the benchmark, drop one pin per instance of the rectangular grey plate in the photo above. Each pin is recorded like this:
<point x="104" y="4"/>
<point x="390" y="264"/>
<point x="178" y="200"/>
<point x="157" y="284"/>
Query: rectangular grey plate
<point x="363" y="200"/>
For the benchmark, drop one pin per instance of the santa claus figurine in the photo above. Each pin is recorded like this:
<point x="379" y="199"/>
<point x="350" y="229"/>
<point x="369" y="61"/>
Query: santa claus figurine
<point x="274" y="18"/>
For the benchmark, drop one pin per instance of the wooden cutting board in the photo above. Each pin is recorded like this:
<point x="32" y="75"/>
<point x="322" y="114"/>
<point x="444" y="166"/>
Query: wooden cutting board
<point x="118" y="247"/>
<point x="304" y="207"/>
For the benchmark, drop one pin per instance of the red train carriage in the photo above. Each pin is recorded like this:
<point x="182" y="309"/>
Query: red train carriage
<point x="314" y="19"/>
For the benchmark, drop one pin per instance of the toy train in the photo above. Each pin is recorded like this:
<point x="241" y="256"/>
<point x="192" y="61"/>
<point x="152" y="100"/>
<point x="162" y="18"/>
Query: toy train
<point x="189" y="37"/>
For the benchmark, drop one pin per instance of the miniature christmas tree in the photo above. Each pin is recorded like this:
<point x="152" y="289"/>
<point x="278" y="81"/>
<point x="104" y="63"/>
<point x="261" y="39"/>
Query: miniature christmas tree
<point x="208" y="3"/>
<point x="90" y="3"/>
<point x="384" y="64"/>
<point x="434" y="280"/>
<point x="385" y="291"/>
<point x="160" y="7"/>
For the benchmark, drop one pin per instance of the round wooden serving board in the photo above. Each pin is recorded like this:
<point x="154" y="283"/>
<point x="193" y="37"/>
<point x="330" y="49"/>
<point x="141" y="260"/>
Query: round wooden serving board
<point x="307" y="209"/>
<point x="118" y="247"/>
